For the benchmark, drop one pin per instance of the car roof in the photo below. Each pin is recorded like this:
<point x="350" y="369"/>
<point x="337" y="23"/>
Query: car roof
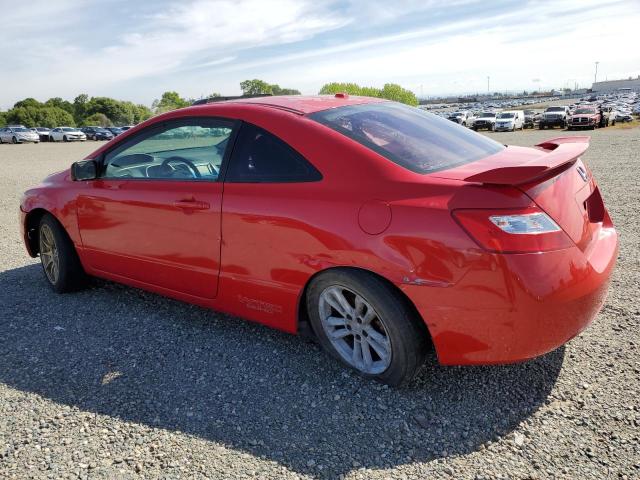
<point x="301" y="104"/>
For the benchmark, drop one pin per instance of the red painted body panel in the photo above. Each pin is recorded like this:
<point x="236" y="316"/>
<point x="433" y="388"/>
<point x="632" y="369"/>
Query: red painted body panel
<point x="252" y="252"/>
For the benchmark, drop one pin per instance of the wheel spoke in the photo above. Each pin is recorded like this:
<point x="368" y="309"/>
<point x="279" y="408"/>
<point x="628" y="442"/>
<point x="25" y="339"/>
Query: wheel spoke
<point x="378" y="342"/>
<point x="339" y="296"/>
<point x="360" y="305"/>
<point x="370" y="315"/>
<point x="357" y="354"/>
<point x="366" y="354"/>
<point x="340" y="333"/>
<point x="336" y="322"/>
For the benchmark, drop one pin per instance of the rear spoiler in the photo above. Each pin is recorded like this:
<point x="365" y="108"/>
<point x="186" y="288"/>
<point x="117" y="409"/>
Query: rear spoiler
<point x="558" y="152"/>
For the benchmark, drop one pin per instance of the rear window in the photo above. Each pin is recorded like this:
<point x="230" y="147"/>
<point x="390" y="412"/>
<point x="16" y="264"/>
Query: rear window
<point x="416" y="140"/>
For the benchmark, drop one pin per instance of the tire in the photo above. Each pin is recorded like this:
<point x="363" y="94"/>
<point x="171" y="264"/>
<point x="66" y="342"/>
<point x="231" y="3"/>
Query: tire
<point x="51" y="139"/>
<point x="14" y="140"/>
<point x="65" y="139"/>
<point x="54" y="244"/>
<point x="393" y="327"/>
<point x="540" y="127"/>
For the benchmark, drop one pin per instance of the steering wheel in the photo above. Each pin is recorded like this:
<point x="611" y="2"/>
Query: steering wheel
<point x="168" y="161"/>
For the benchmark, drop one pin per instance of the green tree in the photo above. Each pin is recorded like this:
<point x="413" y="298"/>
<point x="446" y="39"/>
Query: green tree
<point x="60" y="103"/>
<point x="80" y="107"/>
<point x="390" y="91"/>
<point x="118" y="112"/>
<point x="141" y="113"/>
<point x="98" y="119"/>
<point x="255" y="87"/>
<point x="3" y="119"/>
<point x="32" y="116"/>
<point x="337" y="87"/>
<point x="277" y="90"/>
<point x="169" y="101"/>
<point x="27" y="102"/>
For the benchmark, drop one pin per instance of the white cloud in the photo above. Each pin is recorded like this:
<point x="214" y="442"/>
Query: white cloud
<point x="198" y="46"/>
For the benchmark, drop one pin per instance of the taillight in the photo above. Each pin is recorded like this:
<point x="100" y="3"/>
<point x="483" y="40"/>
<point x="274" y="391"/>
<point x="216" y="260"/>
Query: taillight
<point x="512" y="231"/>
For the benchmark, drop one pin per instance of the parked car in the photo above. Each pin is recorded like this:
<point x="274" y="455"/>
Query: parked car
<point x="126" y="127"/>
<point x="490" y="269"/>
<point x="43" y="133"/>
<point x="510" y="121"/>
<point x="97" y="133"/>
<point x="18" y="134"/>
<point x="115" y="131"/>
<point x="461" y="118"/>
<point x="554" y="116"/>
<point x="484" y="121"/>
<point x="584" y="117"/>
<point x="531" y="118"/>
<point x="66" y="134"/>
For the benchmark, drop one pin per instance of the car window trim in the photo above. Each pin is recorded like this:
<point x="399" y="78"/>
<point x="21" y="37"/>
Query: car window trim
<point x="131" y="140"/>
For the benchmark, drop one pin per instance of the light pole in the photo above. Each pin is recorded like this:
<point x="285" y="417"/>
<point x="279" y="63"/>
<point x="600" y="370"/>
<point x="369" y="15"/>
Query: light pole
<point x="488" y="90"/>
<point x="595" y="76"/>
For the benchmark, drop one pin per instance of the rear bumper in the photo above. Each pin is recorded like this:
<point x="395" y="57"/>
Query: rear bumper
<point x="510" y="308"/>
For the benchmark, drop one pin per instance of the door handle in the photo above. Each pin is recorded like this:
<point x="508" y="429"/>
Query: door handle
<point x="191" y="205"/>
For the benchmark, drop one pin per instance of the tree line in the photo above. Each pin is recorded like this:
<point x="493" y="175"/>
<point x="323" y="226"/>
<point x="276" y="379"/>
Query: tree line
<point x="106" y="112"/>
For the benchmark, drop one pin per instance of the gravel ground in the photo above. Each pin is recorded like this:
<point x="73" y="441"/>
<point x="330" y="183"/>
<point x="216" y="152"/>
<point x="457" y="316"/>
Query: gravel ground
<point x="113" y="382"/>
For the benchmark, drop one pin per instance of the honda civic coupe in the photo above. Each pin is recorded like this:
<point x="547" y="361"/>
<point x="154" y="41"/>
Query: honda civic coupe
<point x="380" y="229"/>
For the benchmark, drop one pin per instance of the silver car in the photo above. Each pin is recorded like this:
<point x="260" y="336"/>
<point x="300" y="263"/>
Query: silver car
<point x="18" y="134"/>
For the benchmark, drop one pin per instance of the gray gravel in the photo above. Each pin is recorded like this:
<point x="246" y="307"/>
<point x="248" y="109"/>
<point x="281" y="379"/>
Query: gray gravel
<point x="114" y="382"/>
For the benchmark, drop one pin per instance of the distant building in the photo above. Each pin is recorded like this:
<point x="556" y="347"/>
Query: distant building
<point x="615" y="85"/>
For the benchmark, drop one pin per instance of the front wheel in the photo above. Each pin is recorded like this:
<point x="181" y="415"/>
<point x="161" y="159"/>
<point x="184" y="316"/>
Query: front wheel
<point x="367" y="325"/>
<point x="58" y="256"/>
<point x="14" y="140"/>
<point x="65" y="139"/>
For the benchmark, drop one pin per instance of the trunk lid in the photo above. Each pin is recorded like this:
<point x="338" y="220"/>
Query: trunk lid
<point x="553" y="176"/>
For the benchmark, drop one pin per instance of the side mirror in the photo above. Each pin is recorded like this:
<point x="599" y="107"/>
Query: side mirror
<point x="84" y="170"/>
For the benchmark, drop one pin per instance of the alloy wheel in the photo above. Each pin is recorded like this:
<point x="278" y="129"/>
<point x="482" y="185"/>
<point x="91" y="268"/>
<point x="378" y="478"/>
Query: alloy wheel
<point x="355" y="330"/>
<point x="49" y="254"/>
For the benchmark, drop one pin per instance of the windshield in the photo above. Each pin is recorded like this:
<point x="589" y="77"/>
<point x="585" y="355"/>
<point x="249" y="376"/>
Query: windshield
<point x="414" y="139"/>
<point x="589" y="111"/>
<point x="506" y="115"/>
<point x="457" y="114"/>
<point x="488" y="114"/>
<point x="20" y="129"/>
<point x="555" y="109"/>
<point x="67" y="129"/>
<point x="102" y="130"/>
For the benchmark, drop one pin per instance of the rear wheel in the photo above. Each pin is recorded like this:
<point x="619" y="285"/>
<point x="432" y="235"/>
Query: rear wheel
<point x="58" y="256"/>
<point x="367" y="325"/>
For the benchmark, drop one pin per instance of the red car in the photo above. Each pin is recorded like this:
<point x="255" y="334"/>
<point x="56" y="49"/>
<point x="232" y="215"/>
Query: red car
<point x="584" y="117"/>
<point x="380" y="228"/>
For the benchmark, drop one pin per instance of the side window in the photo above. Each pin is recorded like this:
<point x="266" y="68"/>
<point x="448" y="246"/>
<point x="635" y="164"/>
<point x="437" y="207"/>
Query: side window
<point x="260" y="157"/>
<point x="189" y="149"/>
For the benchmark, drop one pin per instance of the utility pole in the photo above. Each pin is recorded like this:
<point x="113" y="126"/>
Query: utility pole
<point x="488" y="90"/>
<point x="595" y="76"/>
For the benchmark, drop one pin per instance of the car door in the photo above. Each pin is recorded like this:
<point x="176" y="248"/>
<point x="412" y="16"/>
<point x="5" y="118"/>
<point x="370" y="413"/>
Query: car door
<point x="153" y="214"/>
<point x="3" y="134"/>
<point x="56" y="134"/>
<point x="268" y="187"/>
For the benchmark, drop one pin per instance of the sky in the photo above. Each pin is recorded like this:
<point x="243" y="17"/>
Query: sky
<point x="135" y="50"/>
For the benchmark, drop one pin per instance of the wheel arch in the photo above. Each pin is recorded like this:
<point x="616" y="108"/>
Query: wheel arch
<point x="304" y="324"/>
<point x="32" y="223"/>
